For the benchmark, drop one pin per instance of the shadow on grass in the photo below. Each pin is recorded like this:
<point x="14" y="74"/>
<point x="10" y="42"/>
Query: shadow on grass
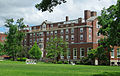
<point x="108" y="74"/>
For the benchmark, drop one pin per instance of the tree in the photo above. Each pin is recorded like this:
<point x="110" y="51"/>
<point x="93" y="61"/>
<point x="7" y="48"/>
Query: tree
<point x="35" y="52"/>
<point x="102" y="52"/>
<point x="56" y="47"/>
<point x="14" y="37"/>
<point x="48" y="5"/>
<point x="110" y="22"/>
<point x="2" y="49"/>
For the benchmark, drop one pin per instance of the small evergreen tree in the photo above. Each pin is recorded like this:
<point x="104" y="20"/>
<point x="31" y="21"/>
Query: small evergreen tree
<point x="35" y="52"/>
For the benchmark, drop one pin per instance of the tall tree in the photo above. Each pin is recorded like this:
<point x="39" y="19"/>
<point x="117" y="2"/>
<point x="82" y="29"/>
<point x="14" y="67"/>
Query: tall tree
<point x="14" y="37"/>
<point x="35" y="52"/>
<point x="48" y="5"/>
<point x="110" y="22"/>
<point x="55" y="47"/>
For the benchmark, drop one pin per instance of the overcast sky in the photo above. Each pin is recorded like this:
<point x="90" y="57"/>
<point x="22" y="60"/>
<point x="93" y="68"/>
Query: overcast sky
<point x="26" y="9"/>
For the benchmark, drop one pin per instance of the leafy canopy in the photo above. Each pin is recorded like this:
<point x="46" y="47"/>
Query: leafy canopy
<point x="35" y="52"/>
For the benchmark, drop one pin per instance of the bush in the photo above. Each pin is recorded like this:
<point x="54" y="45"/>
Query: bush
<point x="85" y="61"/>
<point x="59" y="62"/>
<point x="78" y="62"/>
<point x="21" y="59"/>
<point x="66" y="62"/>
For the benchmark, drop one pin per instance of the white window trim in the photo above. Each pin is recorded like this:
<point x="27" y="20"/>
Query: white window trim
<point x="74" y="57"/>
<point x="81" y="52"/>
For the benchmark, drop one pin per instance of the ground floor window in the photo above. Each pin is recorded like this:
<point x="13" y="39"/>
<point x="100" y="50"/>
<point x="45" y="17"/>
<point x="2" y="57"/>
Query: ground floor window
<point x="68" y="53"/>
<point x="74" y="53"/>
<point x="112" y="53"/>
<point x="118" y="52"/>
<point x="82" y="51"/>
<point x="88" y="49"/>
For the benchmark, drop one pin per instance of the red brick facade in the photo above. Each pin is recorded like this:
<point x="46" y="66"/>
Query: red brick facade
<point x="81" y="34"/>
<point x="2" y="37"/>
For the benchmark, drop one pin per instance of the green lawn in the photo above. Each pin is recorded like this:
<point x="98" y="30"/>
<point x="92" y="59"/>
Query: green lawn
<point x="9" y="68"/>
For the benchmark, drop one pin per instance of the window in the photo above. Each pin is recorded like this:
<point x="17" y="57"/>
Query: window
<point x="51" y="32"/>
<point x="67" y="38"/>
<point x="88" y="49"/>
<point x="44" y="26"/>
<point x="30" y="34"/>
<point x="34" y="40"/>
<point x="68" y="53"/>
<point x="62" y="37"/>
<point x="81" y="30"/>
<point x="56" y="32"/>
<point x="72" y="30"/>
<point x="74" y="53"/>
<point x="62" y="31"/>
<point x="34" y="34"/>
<point x="41" y="39"/>
<point x="98" y="34"/>
<point x="40" y="46"/>
<point x="81" y="37"/>
<point x="30" y="40"/>
<point x="112" y="53"/>
<point x="37" y="34"/>
<point x="41" y="33"/>
<point x="67" y="31"/>
<point x="47" y="33"/>
<point x="97" y="25"/>
<point x="82" y="52"/>
<point x="34" y="28"/>
<point x="37" y="40"/>
<point x="90" y="30"/>
<point x="47" y="39"/>
<point x="51" y="25"/>
<point x="118" y="52"/>
<point x="90" y="37"/>
<point x="62" y="56"/>
<point x="2" y="38"/>
<point x="72" y="37"/>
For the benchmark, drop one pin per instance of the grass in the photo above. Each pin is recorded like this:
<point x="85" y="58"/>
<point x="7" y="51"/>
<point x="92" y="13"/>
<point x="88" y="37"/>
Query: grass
<point x="9" y="68"/>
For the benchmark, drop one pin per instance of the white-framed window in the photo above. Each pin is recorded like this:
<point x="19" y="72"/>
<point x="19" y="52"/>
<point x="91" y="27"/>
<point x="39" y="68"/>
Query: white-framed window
<point x="72" y="30"/>
<point x="34" y="40"/>
<point x="88" y="49"/>
<point x="68" y="53"/>
<point x="67" y="31"/>
<point x="51" y="32"/>
<point x="48" y="33"/>
<point x="72" y="37"/>
<point x="30" y="40"/>
<point x="90" y="37"/>
<point x="55" y="32"/>
<point x="67" y="37"/>
<point x="81" y="30"/>
<point x="98" y="34"/>
<point x="44" y="26"/>
<point x="34" y="28"/>
<point x="47" y="39"/>
<point x="61" y="37"/>
<point x="51" y="25"/>
<point x="34" y="34"/>
<point x="90" y="30"/>
<point x="62" y="31"/>
<point x="112" y="53"/>
<point x="40" y="45"/>
<point x="74" y="53"/>
<point x="41" y="39"/>
<point x="97" y="25"/>
<point x="62" y="56"/>
<point x="31" y="34"/>
<point x="81" y="37"/>
<point x="118" y="52"/>
<point x="82" y="51"/>
<point x="41" y="33"/>
<point x="37" y="40"/>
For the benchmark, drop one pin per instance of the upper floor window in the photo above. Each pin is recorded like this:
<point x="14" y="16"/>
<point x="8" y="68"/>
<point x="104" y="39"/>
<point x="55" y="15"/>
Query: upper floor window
<point x="51" y="25"/>
<point x="41" y="33"/>
<point x="56" y="32"/>
<point x="41" y="39"/>
<point x="90" y="30"/>
<point x="90" y="37"/>
<point x="48" y="33"/>
<point x="34" y="34"/>
<point x="118" y="52"/>
<point x="98" y="34"/>
<point x="72" y="30"/>
<point x="51" y="32"/>
<point x="34" y="28"/>
<point x="62" y="37"/>
<point x="67" y="38"/>
<point x="81" y="29"/>
<point x="30" y="34"/>
<point x="62" y="31"/>
<point x="47" y="39"/>
<point x="72" y="37"/>
<point x="97" y="25"/>
<point x="112" y="53"/>
<point x="81" y="37"/>
<point x="67" y="31"/>
<point x="44" y="26"/>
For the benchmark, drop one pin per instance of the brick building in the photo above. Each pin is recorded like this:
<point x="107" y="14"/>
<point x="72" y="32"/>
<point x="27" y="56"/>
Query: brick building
<point x="2" y="37"/>
<point x="81" y="34"/>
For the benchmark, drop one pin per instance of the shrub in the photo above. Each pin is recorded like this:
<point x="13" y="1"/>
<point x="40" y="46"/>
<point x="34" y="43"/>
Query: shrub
<point x="85" y="61"/>
<point x="22" y="59"/>
<point x="66" y="62"/>
<point x="78" y="62"/>
<point x="59" y="62"/>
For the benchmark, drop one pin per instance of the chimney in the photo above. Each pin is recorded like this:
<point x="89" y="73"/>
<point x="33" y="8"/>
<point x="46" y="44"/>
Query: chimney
<point x="79" y="20"/>
<point x="67" y="18"/>
<point x="93" y="13"/>
<point x="87" y="14"/>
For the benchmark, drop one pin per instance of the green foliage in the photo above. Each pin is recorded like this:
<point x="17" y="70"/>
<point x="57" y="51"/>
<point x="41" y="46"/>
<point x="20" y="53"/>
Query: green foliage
<point x="55" y="47"/>
<point x="47" y="5"/>
<point x="66" y="62"/>
<point x="2" y="49"/>
<point x="22" y="59"/>
<point x="59" y="62"/>
<point x="110" y="22"/>
<point x="14" y="37"/>
<point x="35" y="52"/>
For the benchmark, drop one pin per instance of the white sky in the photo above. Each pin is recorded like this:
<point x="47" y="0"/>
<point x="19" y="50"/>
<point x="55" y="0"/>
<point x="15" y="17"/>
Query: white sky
<point x="26" y="8"/>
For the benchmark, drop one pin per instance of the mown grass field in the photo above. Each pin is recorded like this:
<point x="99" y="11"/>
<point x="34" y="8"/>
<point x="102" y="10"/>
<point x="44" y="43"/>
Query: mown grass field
<point x="9" y="68"/>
